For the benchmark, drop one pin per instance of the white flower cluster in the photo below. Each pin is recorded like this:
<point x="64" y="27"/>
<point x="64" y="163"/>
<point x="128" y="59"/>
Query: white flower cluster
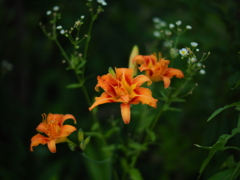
<point x="102" y="2"/>
<point x="162" y="28"/>
<point x="185" y="52"/>
<point x="55" y="8"/>
<point x="192" y="59"/>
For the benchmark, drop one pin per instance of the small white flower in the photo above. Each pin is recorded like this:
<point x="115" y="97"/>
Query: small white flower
<point x="199" y="64"/>
<point x="6" y="65"/>
<point x="156" y="20"/>
<point x="77" y="23"/>
<point x="193" y="60"/>
<point x="82" y="17"/>
<point x="156" y="34"/>
<point x="183" y="51"/>
<point x="189" y="27"/>
<point x="173" y="52"/>
<point x="178" y="23"/>
<point x="194" y="44"/>
<point x="171" y="26"/>
<point x="163" y="23"/>
<point x="167" y="44"/>
<point x="48" y="12"/>
<point x="55" y="8"/>
<point x="202" y="72"/>
<point x="62" y="31"/>
<point x="168" y="33"/>
<point x="102" y="2"/>
<point x="59" y="27"/>
<point x="197" y="50"/>
<point x="157" y="26"/>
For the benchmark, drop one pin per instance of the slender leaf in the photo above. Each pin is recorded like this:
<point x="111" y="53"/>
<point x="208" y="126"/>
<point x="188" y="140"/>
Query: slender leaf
<point x="75" y="85"/>
<point x="238" y="125"/>
<point x="237" y="84"/>
<point x="219" y="145"/>
<point x="223" y="108"/>
<point x="135" y="174"/>
<point x="174" y="109"/>
<point x="151" y="134"/>
<point x="178" y="100"/>
<point x="137" y="146"/>
<point x="223" y="175"/>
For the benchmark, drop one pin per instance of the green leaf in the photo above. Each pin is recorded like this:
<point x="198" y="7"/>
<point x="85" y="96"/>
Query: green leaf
<point x="164" y="96"/>
<point x="237" y="84"/>
<point x="238" y="125"/>
<point x="111" y="131"/>
<point x="222" y="109"/>
<point x="218" y="146"/>
<point x="174" y="109"/>
<point x="79" y="72"/>
<point x="135" y="174"/>
<point x="178" y="100"/>
<point x="151" y="134"/>
<point x="95" y="126"/>
<point x="75" y="85"/>
<point x="80" y="65"/>
<point x="225" y="175"/>
<point x="111" y="71"/>
<point x="137" y="146"/>
<point x="93" y="134"/>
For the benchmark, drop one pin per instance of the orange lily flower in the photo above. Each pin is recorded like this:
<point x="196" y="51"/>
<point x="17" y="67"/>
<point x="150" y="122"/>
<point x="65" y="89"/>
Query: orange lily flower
<point x="122" y="87"/>
<point x="157" y="70"/>
<point x="54" y="130"/>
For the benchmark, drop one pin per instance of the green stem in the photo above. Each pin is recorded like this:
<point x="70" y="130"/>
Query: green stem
<point x="167" y="104"/>
<point x="95" y="161"/>
<point x="88" y="37"/>
<point x="234" y="173"/>
<point x="176" y="42"/>
<point x="62" y="50"/>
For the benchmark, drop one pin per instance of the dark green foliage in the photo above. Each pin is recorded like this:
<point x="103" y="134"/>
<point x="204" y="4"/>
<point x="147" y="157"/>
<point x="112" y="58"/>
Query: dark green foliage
<point x="38" y="79"/>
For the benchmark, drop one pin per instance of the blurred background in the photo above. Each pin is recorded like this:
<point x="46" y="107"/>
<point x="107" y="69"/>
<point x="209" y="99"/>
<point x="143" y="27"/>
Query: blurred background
<point x="33" y="81"/>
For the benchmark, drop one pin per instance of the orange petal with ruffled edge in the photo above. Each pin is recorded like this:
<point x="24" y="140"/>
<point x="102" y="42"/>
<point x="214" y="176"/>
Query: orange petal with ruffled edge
<point x="38" y="139"/>
<point x="52" y="145"/>
<point x="67" y="116"/>
<point x="144" y="95"/>
<point x="174" y="72"/>
<point x="42" y="127"/>
<point x="140" y="79"/>
<point x="125" y="75"/>
<point x="107" y="83"/>
<point x="104" y="98"/>
<point x="66" y="130"/>
<point x="166" y="81"/>
<point x="53" y="117"/>
<point x="125" y="111"/>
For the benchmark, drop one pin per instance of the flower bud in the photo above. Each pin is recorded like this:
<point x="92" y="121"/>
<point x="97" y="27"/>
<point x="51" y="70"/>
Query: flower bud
<point x="80" y="135"/>
<point x="131" y="64"/>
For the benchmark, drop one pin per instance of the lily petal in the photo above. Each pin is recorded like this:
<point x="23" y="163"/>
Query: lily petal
<point x="67" y="130"/>
<point x="166" y="81"/>
<point x="140" y="79"/>
<point x="38" y="139"/>
<point x="174" y="72"/>
<point x="53" y="117"/>
<point x="125" y="110"/>
<point x="52" y="145"/>
<point x="107" y="83"/>
<point x="104" y="98"/>
<point x="67" y="116"/>
<point x="144" y="95"/>
<point x="42" y="127"/>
